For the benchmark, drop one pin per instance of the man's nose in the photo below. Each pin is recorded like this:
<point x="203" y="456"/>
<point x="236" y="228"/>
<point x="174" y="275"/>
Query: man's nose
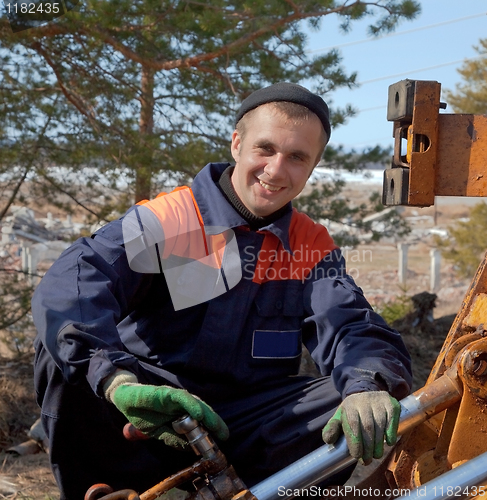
<point x="275" y="166"/>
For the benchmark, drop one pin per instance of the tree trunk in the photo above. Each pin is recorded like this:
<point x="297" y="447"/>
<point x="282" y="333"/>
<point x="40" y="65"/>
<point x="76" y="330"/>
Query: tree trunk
<point x="143" y="174"/>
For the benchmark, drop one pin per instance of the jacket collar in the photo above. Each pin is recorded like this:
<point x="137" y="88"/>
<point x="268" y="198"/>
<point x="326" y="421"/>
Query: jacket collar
<point x="218" y="215"/>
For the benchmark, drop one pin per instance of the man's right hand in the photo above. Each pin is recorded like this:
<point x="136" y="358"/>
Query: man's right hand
<point x="151" y="409"/>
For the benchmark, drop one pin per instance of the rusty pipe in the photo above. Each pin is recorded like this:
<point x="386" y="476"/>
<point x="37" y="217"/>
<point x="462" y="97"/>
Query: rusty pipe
<point x="328" y="460"/>
<point x="105" y="492"/>
<point x="430" y="400"/>
<point x="171" y="482"/>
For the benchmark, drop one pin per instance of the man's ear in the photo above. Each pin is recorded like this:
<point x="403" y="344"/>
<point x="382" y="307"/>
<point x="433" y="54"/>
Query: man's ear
<point x="236" y="142"/>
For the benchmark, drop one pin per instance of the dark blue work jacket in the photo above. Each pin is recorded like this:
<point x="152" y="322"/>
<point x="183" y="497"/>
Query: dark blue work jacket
<point x="94" y="313"/>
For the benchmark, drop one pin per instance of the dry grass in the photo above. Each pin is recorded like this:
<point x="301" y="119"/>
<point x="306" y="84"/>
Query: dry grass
<point x="18" y="410"/>
<point x="28" y="478"/>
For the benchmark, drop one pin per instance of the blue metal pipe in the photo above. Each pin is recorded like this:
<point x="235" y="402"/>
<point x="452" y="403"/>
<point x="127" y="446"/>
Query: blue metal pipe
<point x="328" y="460"/>
<point x="457" y="483"/>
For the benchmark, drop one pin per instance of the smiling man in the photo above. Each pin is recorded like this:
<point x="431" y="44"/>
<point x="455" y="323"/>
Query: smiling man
<point x="276" y="147"/>
<point x="199" y="302"/>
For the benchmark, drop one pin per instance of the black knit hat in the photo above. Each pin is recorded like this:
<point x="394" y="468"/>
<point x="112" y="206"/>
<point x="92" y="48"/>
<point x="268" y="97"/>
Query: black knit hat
<point x="290" y="92"/>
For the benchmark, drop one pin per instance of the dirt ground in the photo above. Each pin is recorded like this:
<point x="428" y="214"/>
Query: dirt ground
<point x="375" y="268"/>
<point x="27" y="477"/>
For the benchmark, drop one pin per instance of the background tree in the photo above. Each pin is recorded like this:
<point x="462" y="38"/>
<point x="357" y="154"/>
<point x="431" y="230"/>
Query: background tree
<point x="467" y="241"/>
<point x="471" y="95"/>
<point x="148" y="90"/>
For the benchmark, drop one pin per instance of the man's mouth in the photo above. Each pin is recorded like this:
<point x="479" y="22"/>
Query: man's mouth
<point x="268" y="186"/>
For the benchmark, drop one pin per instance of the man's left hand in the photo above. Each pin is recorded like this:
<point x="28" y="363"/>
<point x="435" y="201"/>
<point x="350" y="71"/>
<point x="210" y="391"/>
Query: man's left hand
<point x="365" y="418"/>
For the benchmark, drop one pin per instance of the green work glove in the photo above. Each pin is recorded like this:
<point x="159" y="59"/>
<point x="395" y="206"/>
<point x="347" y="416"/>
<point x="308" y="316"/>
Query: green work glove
<point x="365" y="418"/>
<point x="151" y="409"/>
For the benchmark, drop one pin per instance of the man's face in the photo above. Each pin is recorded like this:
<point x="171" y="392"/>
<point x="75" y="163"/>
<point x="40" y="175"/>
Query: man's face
<point x="274" y="159"/>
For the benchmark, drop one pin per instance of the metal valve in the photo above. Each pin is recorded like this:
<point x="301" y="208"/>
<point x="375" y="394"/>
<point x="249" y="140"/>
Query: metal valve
<point x="196" y="435"/>
<point x="212" y="477"/>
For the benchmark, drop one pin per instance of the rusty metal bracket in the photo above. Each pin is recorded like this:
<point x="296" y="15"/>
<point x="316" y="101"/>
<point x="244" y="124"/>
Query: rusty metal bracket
<point x="433" y="449"/>
<point x="445" y="153"/>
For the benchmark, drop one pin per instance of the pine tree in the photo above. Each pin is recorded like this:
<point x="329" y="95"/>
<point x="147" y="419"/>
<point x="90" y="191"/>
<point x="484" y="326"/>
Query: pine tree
<point x="149" y="89"/>
<point x="467" y="242"/>
<point x="471" y="95"/>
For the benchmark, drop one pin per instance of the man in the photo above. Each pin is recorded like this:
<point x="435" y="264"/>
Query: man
<point x="198" y="302"/>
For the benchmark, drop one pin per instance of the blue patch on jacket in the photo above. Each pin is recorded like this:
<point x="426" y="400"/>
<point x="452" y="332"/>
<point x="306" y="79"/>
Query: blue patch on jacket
<point x="276" y="344"/>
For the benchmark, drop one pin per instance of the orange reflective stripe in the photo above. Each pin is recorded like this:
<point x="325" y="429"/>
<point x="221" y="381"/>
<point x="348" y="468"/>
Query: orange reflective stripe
<point x="309" y="242"/>
<point x="184" y="232"/>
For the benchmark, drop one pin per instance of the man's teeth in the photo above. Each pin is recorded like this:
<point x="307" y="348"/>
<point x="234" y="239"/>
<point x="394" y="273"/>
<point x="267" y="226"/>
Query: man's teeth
<point x="268" y="186"/>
